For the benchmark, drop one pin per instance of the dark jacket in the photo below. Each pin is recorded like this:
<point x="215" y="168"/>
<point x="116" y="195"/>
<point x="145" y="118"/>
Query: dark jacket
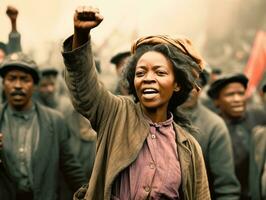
<point x="259" y="156"/>
<point x="53" y="153"/>
<point x="253" y="118"/>
<point x="216" y="145"/>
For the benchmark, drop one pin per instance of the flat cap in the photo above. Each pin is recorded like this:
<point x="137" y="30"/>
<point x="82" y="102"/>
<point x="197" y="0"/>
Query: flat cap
<point x="223" y="81"/>
<point x="48" y="71"/>
<point x="21" y="62"/>
<point x="117" y="57"/>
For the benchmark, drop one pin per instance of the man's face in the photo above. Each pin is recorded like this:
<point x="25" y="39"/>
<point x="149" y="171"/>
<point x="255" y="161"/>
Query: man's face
<point x="232" y="101"/>
<point x="18" y="87"/>
<point x="47" y="87"/>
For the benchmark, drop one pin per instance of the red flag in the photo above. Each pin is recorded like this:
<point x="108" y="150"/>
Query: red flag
<point x="256" y="65"/>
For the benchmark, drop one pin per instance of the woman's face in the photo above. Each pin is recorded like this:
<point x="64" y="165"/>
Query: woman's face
<point x="154" y="80"/>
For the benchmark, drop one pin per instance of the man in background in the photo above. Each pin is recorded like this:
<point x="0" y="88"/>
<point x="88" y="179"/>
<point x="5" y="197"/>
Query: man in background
<point x="215" y="141"/>
<point x="228" y="94"/>
<point x="34" y="139"/>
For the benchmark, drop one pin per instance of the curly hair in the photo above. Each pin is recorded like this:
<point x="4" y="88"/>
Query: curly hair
<point x="186" y="71"/>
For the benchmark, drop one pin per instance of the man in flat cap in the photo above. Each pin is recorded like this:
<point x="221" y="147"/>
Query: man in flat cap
<point x="228" y="94"/>
<point x="82" y="137"/>
<point x="119" y="60"/>
<point x="215" y="142"/>
<point x="34" y="139"/>
<point x="48" y="92"/>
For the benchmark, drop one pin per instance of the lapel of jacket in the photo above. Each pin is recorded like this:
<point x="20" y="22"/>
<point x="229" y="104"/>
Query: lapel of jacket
<point x="259" y="146"/>
<point x="2" y="108"/>
<point x="41" y="157"/>
<point x="184" y="154"/>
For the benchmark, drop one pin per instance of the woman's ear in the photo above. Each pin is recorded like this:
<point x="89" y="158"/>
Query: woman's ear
<point x="177" y="88"/>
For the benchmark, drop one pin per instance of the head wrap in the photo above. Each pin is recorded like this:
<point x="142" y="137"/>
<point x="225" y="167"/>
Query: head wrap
<point x="183" y="44"/>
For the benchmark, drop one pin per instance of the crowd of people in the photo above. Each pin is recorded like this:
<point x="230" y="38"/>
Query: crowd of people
<point x="174" y="128"/>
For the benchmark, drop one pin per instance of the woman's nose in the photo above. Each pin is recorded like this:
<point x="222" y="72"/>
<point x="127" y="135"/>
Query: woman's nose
<point x="149" y="77"/>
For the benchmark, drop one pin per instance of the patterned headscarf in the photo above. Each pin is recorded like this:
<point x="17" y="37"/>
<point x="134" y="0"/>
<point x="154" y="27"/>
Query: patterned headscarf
<point x="183" y="44"/>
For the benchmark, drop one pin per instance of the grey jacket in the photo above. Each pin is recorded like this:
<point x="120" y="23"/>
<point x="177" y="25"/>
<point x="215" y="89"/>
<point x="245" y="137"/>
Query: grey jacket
<point x="216" y="145"/>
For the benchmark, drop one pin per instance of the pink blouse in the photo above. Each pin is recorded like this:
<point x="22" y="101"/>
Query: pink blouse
<point x="156" y="173"/>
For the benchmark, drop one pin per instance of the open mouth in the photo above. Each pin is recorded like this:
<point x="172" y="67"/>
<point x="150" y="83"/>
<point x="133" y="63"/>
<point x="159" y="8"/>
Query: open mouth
<point x="149" y="93"/>
<point x="238" y="108"/>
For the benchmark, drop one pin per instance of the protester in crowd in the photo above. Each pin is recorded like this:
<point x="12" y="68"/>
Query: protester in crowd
<point x="144" y="150"/>
<point x="216" y="145"/>
<point x="228" y="93"/>
<point x="35" y="139"/>
<point x="82" y="137"/>
<point x="48" y="92"/>
<point x="119" y="60"/>
<point x="213" y="74"/>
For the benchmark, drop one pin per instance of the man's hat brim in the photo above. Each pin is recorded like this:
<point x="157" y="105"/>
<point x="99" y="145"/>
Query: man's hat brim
<point x="116" y="58"/>
<point x="49" y="71"/>
<point x="221" y="82"/>
<point x="19" y="66"/>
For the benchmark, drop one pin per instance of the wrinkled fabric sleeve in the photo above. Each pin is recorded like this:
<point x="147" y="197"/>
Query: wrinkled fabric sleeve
<point x="14" y="42"/>
<point x="89" y="97"/>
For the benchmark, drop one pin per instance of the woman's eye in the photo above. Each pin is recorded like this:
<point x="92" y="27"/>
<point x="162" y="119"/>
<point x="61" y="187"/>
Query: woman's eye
<point x="161" y="73"/>
<point x="140" y="73"/>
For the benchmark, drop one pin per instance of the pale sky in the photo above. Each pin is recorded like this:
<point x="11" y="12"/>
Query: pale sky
<point x="48" y="21"/>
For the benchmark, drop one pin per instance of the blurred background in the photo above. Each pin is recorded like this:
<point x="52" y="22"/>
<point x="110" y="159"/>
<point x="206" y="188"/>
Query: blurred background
<point x="223" y="31"/>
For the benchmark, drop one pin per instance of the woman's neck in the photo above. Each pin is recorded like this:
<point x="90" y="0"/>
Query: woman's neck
<point x="155" y="115"/>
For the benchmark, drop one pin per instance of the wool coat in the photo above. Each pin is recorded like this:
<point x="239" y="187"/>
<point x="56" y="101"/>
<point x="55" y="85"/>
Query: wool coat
<point x="216" y="145"/>
<point x="53" y="153"/>
<point x="253" y="119"/>
<point x="258" y="167"/>
<point x="122" y="130"/>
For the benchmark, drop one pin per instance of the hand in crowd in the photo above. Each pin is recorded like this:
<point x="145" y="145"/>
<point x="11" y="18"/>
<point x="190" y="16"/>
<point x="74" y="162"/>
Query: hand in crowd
<point x="12" y="13"/>
<point x="85" y="19"/>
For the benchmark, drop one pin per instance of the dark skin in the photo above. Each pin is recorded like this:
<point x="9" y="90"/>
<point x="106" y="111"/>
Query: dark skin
<point x="85" y="19"/>
<point x="12" y="13"/>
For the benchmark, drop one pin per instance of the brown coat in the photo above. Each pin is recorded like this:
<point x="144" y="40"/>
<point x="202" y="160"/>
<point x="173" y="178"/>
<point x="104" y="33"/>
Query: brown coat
<point x="122" y="130"/>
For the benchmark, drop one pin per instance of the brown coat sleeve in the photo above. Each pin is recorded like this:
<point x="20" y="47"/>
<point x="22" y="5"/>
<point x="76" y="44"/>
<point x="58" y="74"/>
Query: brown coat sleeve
<point x="88" y="94"/>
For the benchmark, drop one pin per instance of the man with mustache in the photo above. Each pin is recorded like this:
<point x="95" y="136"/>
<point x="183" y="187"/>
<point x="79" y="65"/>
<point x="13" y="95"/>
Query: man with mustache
<point x="34" y="140"/>
<point x="228" y="94"/>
